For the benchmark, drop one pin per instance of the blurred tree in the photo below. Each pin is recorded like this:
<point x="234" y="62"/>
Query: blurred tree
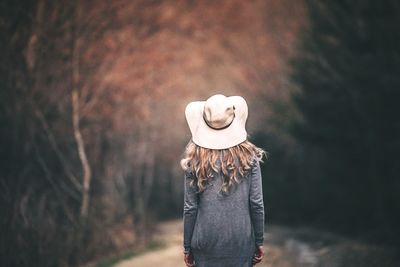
<point x="91" y="112"/>
<point x="348" y="72"/>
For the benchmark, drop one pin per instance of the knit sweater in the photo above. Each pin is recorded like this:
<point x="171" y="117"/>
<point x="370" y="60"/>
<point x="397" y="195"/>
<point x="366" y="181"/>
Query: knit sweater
<point x="218" y="225"/>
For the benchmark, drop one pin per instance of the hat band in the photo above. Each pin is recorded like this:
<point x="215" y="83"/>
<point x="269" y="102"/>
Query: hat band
<point x="221" y="128"/>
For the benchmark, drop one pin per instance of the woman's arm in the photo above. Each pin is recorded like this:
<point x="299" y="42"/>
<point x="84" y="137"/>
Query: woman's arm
<point x="256" y="203"/>
<point x="189" y="211"/>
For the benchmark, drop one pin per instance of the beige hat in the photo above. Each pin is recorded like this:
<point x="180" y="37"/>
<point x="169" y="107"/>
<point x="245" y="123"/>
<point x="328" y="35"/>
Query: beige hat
<point x="219" y="122"/>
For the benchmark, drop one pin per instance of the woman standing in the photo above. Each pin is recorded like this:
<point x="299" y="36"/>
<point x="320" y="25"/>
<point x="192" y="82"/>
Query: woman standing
<point x="223" y="212"/>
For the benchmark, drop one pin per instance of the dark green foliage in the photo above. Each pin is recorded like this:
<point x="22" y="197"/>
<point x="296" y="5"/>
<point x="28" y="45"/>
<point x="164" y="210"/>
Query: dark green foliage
<point x="348" y="72"/>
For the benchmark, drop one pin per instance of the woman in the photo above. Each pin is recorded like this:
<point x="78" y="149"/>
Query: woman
<point x="223" y="212"/>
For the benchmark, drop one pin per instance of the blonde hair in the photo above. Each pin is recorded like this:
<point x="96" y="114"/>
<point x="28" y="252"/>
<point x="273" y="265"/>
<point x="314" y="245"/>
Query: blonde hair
<point x="235" y="163"/>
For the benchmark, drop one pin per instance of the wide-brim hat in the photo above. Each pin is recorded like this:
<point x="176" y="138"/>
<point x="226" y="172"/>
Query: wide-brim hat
<point x="219" y="122"/>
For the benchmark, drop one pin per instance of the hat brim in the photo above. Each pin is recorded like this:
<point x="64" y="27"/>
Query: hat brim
<point x="207" y="137"/>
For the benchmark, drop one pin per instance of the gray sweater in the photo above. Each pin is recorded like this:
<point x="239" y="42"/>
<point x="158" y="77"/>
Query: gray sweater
<point x="227" y="226"/>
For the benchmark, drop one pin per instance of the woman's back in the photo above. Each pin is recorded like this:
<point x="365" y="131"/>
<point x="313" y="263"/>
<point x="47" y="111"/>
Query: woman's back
<point x="223" y="230"/>
<point x="223" y="201"/>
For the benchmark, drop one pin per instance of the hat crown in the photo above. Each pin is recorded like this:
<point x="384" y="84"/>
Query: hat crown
<point x="218" y="112"/>
<point x="219" y="122"/>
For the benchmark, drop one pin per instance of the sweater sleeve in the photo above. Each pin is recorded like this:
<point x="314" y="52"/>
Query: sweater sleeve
<point x="256" y="203"/>
<point x="189" y="210"/>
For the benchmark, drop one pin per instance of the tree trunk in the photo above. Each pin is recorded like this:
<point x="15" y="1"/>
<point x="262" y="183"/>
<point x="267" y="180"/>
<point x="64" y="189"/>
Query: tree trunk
<point x="87" y="172"/>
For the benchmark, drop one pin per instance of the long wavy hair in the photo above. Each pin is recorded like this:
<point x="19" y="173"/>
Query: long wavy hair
<point x="235" y="162"/>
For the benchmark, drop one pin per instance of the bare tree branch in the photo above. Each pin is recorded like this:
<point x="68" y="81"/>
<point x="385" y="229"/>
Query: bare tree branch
<point x="55" y="147"/>
<point x="87" y="172"/>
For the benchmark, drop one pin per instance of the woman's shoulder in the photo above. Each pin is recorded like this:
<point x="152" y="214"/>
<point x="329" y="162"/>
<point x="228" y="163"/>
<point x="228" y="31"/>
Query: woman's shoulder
<point x="188" y="173"/>
<point x="255" y="163"/>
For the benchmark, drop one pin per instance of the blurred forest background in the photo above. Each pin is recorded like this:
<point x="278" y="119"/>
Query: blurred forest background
<point x="92" y="95"/>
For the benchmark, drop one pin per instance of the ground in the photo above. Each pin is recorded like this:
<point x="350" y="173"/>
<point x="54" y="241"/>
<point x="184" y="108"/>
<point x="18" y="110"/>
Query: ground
<point x="284" y="246"/>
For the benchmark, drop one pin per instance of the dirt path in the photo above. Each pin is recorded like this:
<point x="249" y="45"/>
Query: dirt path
<point x="285" y="247"/>
<point x="171" y="255"/>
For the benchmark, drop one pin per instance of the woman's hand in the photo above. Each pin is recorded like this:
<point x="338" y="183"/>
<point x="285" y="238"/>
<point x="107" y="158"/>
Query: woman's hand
<point x="188" y="258"/>
<point x="258" y="255"/>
